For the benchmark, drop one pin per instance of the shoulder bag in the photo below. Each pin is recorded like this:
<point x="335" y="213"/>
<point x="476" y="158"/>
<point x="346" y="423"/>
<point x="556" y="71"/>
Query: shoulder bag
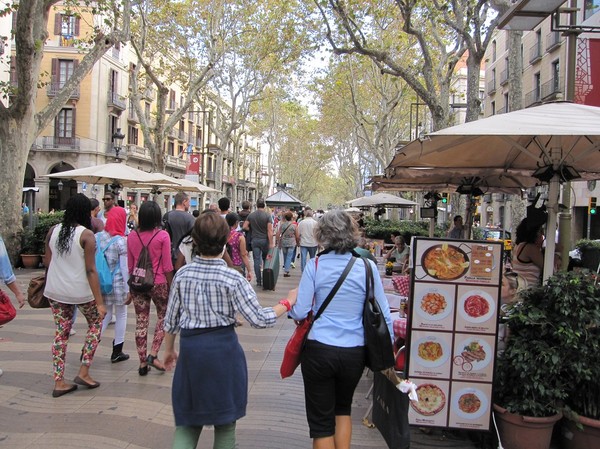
<point x="293" y="349"/>
<point x="7" y="310"/>
<point x="35" y="293"/>
<point x="378" y="342"/>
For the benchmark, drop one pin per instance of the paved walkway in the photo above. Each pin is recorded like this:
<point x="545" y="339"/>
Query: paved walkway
<point x="129" y="411"/>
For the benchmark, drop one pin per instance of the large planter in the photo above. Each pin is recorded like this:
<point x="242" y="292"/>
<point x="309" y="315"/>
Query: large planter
<point x="587" y="438"/>
<point x="524" y="432"/>
<point x="31" y="260"/>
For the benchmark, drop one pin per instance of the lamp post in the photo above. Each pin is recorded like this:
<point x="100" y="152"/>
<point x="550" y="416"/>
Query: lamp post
<point x="117" y="141"/>
<point x="60" y="185"/>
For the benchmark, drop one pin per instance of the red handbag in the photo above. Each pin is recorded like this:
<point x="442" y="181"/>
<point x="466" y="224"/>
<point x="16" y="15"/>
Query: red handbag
<point x="7" y="310"/>
<point x="294" y="347"/>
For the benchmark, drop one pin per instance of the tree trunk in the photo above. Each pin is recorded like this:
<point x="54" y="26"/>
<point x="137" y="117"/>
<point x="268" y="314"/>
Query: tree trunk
<point x="473" y="78"/>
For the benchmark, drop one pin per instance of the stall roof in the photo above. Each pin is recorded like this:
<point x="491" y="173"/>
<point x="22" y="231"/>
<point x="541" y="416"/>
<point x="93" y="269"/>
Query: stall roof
<point x="283" y="198"/>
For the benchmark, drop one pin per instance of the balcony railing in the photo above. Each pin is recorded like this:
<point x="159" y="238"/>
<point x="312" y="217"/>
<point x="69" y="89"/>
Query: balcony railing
<point x="210" y="175"/>
<point x="53" y="88"/>
<point x="503" y="110"/>
<point x="61" y="143"/>
<point x="535" y="53"/>
<point x="553" y="41"/>
<point x="504" y="77"/>
<point x="491" y="87"/>
<point x="135" y="151"/>
<point x="198" y="142"/>
<point x="66" y="41"/>
<point x="551" y="88"/>
<point x="182" y="135"/>
<point x="532" y="97"/>
<point x="115" y="100"/>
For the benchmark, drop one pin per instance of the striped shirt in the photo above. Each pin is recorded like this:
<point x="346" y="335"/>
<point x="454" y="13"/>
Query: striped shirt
<point x="206" y="293"/>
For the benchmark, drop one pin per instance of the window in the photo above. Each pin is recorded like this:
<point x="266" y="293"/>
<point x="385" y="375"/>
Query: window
<point x="132" y="135"/>
<point x="506" y="108"/>
<point x="591" y="7"/>
<point x="171" y="148"/>
<point x="494" y="51"/>
<point x="64" y="125"/>
<point x="65" y="70"/>
<point x="537" y="85"/>
<point x="493" y="105"/>
<point x="66" y="25"/>
<point x="555" y="75"/>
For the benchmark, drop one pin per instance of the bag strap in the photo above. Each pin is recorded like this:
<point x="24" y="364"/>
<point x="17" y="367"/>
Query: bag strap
<point x="335" y="288"/>
<point x="370" y="283"/>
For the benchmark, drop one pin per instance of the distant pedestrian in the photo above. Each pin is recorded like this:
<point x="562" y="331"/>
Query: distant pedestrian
<point x="306" y="237"/>
<point x="260" y="225"/>
<point x="286" y="240"/>
<point x="178" y="222"/>
<point x="457" y="231"/>
<point x="210" y="384"/>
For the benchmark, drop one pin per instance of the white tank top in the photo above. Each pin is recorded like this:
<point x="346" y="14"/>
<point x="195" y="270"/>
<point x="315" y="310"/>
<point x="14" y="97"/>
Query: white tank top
<point x="66" y="280"/>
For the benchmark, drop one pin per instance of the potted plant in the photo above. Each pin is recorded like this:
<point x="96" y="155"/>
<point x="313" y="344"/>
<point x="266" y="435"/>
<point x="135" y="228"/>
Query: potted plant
<point x="581" y="428"/>
<point x="535" y="373"/>
<point x="31" y="249"/>
<point x="590" y="253"/>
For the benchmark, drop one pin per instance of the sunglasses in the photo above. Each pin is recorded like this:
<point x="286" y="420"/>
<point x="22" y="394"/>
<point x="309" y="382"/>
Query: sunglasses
<point x="106" y="199"/>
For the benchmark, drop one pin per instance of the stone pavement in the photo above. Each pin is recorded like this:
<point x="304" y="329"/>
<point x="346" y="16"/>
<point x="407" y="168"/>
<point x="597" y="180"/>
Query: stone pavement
<point x="133" y="412"/>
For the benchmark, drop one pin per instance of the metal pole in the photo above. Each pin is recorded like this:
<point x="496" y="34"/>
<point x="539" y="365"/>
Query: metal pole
<point x="565" y="217"/>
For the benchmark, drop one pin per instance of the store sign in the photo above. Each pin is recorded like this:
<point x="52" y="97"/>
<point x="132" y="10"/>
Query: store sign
<point x="454" y="304"/>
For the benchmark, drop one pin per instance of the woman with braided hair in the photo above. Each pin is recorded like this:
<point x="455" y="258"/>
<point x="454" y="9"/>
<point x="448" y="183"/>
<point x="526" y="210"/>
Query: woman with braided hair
<point x="72" y="282"/>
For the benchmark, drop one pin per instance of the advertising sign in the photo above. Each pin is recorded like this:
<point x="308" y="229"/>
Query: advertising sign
<point x="454" y="304"/>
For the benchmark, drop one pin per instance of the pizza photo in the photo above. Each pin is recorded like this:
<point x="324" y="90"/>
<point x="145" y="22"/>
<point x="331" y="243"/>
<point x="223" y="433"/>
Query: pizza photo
<point x="432" y="400"/>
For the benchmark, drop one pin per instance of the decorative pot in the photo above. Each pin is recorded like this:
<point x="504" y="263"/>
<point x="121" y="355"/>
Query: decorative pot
<point x="588" y="437"/>
<point x="524" y="432"/>
<point x="31" y="260"/>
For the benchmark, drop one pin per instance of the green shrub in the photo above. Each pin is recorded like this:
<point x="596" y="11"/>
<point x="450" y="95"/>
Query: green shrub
<point x="33" y="241"/>
<point x="382" y="229"/>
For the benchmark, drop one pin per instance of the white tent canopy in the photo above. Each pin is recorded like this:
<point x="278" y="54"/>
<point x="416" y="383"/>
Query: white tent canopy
<point x="381" y="200"/>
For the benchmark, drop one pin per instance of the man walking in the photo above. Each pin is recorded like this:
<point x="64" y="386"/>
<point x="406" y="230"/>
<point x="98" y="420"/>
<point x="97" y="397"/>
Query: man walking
<point x="224" y="205"/>
<point x="260" y="225"/>
<point x="305" y="234"/>
<point x="178" y="222"/>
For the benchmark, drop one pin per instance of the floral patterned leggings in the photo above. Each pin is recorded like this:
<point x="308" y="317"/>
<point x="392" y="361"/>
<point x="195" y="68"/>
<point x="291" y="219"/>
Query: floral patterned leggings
<point x="63" y="318"/>
<point x="159" y="295"/>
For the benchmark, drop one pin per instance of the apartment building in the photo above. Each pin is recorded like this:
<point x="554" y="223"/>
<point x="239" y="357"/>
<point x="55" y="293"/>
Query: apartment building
<point x="100" y="113"/>
<point x="545" y="64"/>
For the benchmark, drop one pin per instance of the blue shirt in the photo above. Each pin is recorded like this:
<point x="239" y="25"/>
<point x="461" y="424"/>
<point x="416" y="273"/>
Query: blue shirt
<point x="341" y="323"/>
<point x="206" y="293"/>
<point x="6" y="272"/>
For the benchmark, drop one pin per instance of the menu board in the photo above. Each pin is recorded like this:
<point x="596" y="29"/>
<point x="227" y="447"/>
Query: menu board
<point x="454" y="305"/>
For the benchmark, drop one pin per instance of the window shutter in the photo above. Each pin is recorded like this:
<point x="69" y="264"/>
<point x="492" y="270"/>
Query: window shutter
<point x="55" y="81"/>
<point x="76" y="26"/>
<point x="73" y="129"/>
<point x="56" y="128"/>
<point x="13" y="69"/>
<point x="57" y="24"/>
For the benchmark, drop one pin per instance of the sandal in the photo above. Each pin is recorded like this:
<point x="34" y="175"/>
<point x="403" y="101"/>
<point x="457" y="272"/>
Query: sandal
<point x="151" y="359"/>
<point x="143" y="370"/>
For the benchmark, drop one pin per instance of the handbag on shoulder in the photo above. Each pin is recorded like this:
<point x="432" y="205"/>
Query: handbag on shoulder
<point x="35" y="293"/>
<point x="378" y="342"/>
<point x="7" y="310"/>
<point x="293" y="349"/>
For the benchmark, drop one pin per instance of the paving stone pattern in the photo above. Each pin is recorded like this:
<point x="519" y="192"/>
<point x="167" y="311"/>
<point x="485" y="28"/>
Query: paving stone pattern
<point x="132" y="412"/>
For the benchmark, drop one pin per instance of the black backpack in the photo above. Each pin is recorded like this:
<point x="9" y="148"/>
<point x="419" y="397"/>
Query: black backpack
<point x="142" y="276"/>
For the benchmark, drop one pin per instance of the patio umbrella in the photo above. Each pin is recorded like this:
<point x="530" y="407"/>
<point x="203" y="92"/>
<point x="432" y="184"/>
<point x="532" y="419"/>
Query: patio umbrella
<point x="381" y="200"/>
<point x="555" y="142"/>
<point x="168" y="183"/>
<point x="118" y="175"/>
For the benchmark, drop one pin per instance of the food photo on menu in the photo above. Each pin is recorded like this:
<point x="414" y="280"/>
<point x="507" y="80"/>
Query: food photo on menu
<point x="434" y="306"/>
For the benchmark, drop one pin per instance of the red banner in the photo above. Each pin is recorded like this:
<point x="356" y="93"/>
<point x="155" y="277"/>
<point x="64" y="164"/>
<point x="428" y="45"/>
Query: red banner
<point x="193" y="167"/>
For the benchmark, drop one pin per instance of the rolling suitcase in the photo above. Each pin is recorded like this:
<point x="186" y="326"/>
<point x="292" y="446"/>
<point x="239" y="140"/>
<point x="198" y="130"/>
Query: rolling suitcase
<point x="271" y="269"/>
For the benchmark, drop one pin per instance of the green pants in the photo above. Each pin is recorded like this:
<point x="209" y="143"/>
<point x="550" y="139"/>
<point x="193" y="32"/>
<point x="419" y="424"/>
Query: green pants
<point x="186" y="437"/>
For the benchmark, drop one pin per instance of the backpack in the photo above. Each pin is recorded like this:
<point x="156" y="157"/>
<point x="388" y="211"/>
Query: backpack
<point x="105" y="276"/>
<point x="142" y="276"/>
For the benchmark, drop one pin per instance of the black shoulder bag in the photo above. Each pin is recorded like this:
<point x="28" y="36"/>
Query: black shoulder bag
<point x="378" y="342"/>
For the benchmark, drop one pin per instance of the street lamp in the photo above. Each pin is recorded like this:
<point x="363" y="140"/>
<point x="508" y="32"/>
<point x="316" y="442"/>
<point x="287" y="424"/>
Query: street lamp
<point x="60" y="185"/>
<point x="117" y="141"/>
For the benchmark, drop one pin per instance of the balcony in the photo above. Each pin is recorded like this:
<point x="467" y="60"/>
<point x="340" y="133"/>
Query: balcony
<point x="491" y="87"/>
<point x="198" y="142"/>
<point x="210" y="175"/>
<point x="61" y="143"/>
<point x="182" y="135"/>
<point x="553" y="41"/>
<point x="173" y="133"/>
<point x="175" y="161"/>
<point x="532" y="97"/>
<point x="132" y="116"/>
<point x="551" y="89"/>
<point x="504" y="77"/>
<point x="115" y="100"/>
<point x="135" y="151"/>
<point x="53" y="88"/>
<point x="149" y="93"/>
<point x="535" y="53"/>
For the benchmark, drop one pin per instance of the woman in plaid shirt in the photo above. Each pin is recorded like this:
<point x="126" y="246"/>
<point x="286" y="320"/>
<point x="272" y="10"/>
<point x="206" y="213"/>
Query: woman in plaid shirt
<point x="210" y="384"/>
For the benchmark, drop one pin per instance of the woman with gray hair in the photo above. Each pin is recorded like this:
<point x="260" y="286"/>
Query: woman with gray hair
<point x="333" y="358"/>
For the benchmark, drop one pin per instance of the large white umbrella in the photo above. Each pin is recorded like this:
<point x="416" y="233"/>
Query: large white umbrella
<point x="168" y="183"/>
<point x="381" y="200"/>
<point x="554" y="142"/>
<point x="118" y="175"/>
